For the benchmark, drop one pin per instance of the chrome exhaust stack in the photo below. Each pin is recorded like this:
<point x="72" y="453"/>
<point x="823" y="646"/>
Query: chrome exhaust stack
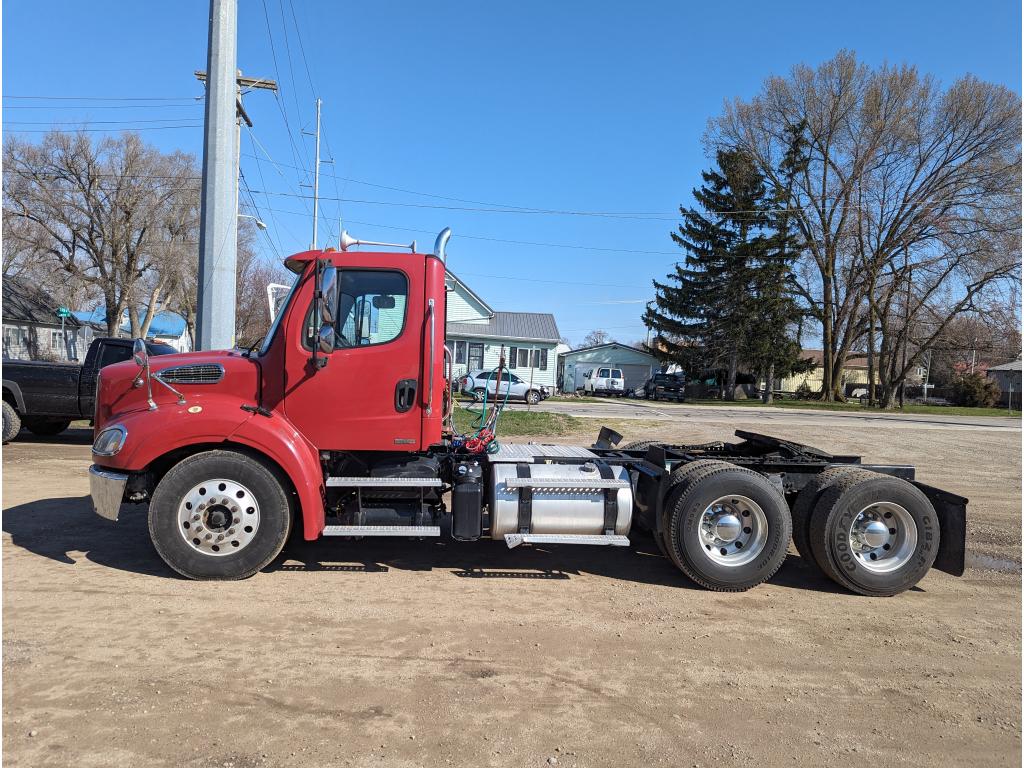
<point x="441" y="243"/>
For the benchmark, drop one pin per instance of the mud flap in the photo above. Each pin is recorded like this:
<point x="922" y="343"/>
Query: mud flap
<point x="952" y="512"/>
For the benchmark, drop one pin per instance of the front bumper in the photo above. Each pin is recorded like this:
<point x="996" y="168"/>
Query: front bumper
<point x="107" y="491"/>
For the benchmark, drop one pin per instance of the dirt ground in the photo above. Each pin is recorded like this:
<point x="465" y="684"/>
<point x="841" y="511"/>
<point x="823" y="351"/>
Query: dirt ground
<point x="395" y="653"/>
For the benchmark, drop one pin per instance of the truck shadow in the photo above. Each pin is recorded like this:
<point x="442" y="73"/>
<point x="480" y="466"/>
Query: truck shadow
<point x="56" y="528"/>
<point x="70" y="436"/>
<point x="641" y="562"/>
<point x="60" y="528"/>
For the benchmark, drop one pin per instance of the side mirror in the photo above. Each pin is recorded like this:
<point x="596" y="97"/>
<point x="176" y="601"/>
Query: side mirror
<point x="140" y="353"/>
<point x="328" y="296"/>
<point x="325" y="339"/>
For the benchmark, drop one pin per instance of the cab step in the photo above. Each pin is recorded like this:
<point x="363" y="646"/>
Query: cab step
<point x="384" y="482"/>
<point x="382" y="530"/>
<point x="608" y="540"/>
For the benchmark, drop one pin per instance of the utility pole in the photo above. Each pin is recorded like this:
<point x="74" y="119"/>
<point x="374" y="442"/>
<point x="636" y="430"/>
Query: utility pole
<point x="218" y="221"/>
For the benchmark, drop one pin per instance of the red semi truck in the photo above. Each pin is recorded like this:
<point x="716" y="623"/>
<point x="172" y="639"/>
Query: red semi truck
<point x="341" y="423"/>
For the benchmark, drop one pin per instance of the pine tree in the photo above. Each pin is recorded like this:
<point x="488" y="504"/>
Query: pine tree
<point x="702" y="313"/>
<point x="772" y="348"/>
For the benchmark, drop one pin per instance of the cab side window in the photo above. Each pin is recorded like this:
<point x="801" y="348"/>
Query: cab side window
<point x="371" y="308"/>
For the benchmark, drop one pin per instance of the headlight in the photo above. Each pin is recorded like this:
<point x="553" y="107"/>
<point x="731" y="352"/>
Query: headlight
<point x="110" y="441"/>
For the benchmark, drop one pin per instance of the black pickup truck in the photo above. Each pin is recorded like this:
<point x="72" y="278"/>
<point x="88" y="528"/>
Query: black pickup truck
<point x="665" y="386"/>
<point x="47" y="397"/>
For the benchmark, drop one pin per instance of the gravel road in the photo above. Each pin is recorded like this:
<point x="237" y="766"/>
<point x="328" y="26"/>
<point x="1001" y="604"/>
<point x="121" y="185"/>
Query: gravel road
<point x="395" y="653"/>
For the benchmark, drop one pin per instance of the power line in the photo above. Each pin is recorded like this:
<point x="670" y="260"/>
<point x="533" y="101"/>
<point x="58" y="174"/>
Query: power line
<point x="181" y="105"/>
<point x="108" y="130"/>
<point x="100" y="98"/>
<point x="97" y="122"/>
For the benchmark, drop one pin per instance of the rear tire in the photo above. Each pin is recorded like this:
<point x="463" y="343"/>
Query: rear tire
<point x="46" y="427"/>
<point x="12" y="423"/>
<point x="478" y="395"/>
<point x="874" y="534"/>
<point x="728" y="527"/>
<point x="805" y="503"/>
<point x="239" y="500"/>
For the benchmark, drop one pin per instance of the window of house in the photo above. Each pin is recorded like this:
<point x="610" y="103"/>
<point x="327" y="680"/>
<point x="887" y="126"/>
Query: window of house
<point x="55" y="340"/>
<point x="521" y="357"/>
<point x="460" y="352"/>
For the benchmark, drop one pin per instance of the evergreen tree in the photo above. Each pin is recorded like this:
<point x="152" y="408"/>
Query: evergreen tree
<point x="772" y="348"/>
<point x="702" y="313"/>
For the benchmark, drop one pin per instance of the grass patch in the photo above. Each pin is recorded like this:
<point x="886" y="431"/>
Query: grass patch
<point x="943" y="410"/>
<point x="519" y="422"/>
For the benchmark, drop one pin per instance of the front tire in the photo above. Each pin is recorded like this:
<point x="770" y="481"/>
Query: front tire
<point x="728" y="528"/>
<point x="874" y="534"/>
<point x="219" y="515"/>
<point x="532" y="397"/>
<point x="12" y="423"/>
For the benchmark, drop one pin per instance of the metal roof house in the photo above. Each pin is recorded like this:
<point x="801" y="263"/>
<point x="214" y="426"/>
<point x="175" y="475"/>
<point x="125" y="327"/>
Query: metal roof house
<point x="476" y="334"/>
<point x="637" y="366"/>
<point x="167" y="327"/>
<point x="32" y="328"/>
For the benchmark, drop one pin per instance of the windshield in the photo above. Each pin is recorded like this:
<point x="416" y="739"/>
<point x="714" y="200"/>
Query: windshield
<point x="281" y="310"/>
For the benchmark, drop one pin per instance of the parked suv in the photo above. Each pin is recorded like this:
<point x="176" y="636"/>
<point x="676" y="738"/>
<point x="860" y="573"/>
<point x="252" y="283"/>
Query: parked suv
<point x="475" y="382"/>
<point x="604" y="381"/>
<point x="665" y="386"/>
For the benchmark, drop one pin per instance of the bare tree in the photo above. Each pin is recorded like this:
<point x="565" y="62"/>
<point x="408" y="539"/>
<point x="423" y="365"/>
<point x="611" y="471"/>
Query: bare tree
<point x="905" y="180"/>
<point x="596" y="337"/>
<point x="93" y="211"/>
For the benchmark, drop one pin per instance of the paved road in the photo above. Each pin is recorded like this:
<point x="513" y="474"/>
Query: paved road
<point x="710" y="414"/>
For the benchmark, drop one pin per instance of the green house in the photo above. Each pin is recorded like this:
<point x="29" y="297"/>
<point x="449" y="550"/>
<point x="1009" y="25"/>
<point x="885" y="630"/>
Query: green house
<point x="477" y="334"/>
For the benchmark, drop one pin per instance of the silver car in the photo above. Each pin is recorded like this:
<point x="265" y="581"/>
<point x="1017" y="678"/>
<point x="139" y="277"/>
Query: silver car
<point x="475" y="383"/>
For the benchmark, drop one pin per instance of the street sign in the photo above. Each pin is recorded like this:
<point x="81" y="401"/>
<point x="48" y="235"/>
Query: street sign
<point x="63" y="312"/>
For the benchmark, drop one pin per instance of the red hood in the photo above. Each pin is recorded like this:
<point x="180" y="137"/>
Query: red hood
<point x="116" y="393"/>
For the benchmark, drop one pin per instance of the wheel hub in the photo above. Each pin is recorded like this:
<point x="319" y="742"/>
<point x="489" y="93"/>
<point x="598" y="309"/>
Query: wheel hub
<point x="218" y="517"/>
<point x="728" y="528"/>
<point x="733" y="530"/>
<point x="883" y="536"/>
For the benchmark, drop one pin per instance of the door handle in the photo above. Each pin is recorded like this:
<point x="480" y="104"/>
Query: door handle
<point x="405" y="395"/>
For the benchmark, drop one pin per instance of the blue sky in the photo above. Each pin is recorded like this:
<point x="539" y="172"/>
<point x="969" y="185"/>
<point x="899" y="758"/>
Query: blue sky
<point x="592" y="107"/>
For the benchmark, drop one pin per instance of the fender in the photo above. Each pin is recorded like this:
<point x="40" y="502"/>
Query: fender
<point x="220" y="420"/>
<point x="278" y="439"/>
<point x="15" y="390"/>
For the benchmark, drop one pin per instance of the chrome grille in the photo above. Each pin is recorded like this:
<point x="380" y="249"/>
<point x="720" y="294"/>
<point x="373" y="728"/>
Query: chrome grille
<point x="199" y="373"/>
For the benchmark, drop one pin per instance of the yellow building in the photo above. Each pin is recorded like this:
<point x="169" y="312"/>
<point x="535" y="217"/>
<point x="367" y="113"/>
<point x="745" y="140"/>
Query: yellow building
<point x="854" y="372"/>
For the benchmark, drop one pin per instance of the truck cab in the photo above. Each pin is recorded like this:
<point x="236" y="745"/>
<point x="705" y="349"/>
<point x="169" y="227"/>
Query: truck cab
<point x="341" y="423"/>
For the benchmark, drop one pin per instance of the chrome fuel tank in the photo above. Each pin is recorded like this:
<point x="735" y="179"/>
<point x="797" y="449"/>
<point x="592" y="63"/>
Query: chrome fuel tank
<point x="573" y="502"/>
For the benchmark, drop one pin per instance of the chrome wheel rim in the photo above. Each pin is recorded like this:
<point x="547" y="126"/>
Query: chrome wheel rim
<point x="733" y="530"/>
<point x="883" y="537"/>
<point x="218" y="517"/>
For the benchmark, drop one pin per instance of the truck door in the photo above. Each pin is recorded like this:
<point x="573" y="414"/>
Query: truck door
<point x="368" y="396"/>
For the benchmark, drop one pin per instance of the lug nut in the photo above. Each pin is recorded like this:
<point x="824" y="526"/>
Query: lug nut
<point x="220" y="537"/>
<point x="231" y="532"/>
<point x="237" y="520"/>
<point x="208" y="536"/>
<point x="199" y="528"/>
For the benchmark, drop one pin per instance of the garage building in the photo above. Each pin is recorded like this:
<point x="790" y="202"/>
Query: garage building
<point x="637" y="366"/>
